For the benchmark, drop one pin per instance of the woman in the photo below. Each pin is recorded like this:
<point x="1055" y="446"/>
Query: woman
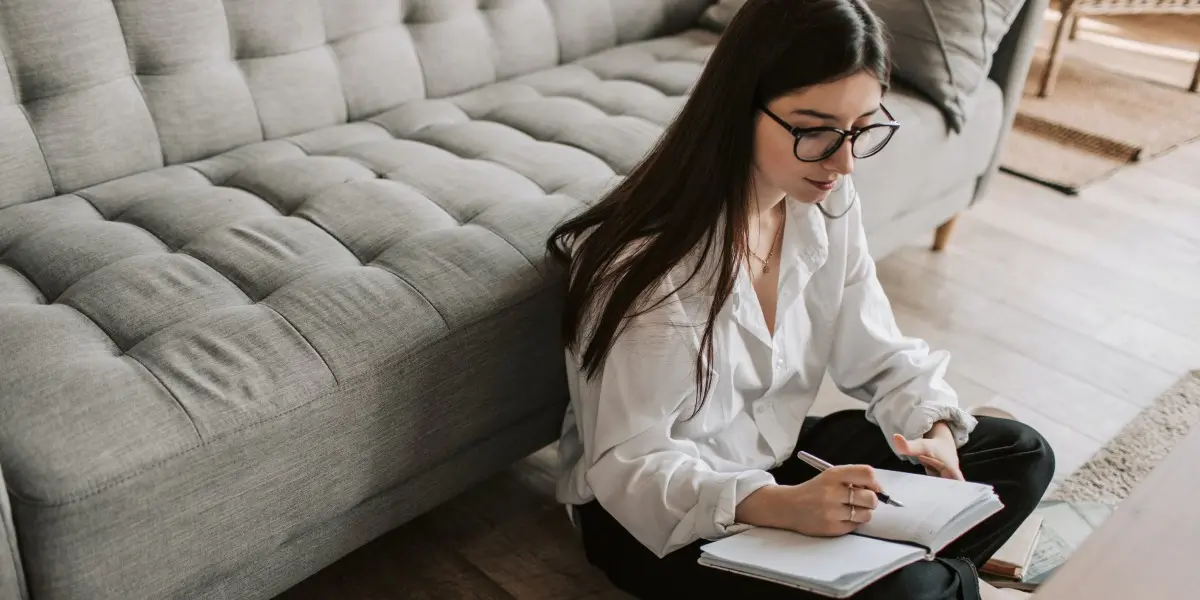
<point x="710" y="292"/>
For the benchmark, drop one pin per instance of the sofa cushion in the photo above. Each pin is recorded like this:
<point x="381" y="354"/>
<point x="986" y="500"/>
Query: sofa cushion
<point x="926" y="159"/>
<point x="150" y="315"/>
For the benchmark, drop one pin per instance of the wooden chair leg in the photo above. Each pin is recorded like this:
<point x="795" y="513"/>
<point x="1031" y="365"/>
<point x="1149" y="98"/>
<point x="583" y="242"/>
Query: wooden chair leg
<point x="941" y="236"/>
<point x="1195" y="87"/>
<point x="1057" y="50"/>
<point x="1074" y="34"/>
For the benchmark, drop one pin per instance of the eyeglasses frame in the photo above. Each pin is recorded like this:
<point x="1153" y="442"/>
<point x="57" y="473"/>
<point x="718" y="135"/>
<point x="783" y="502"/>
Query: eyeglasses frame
<point x="799" y="132"/>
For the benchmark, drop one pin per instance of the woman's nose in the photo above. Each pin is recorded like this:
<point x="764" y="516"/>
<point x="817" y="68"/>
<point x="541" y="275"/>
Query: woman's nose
<point x="842" y="161"/>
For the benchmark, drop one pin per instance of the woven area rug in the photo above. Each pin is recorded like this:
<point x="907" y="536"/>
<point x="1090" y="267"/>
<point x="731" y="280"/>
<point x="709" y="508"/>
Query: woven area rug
<point x="1112" y="107"/>
<point x="1120" y="465"/>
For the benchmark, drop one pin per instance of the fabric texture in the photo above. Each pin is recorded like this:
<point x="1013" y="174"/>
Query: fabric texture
<point x="199" y="299"/>
<point x="944" y="48"/>
<point x="1004" y="453"/>
<point x="95" y="90"/>
<point x="672" y="467"/>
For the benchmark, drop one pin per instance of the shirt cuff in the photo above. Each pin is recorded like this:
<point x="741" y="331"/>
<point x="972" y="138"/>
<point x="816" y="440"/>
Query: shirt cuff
<point x="734" y="491"/>
<point x="960" y="422"/>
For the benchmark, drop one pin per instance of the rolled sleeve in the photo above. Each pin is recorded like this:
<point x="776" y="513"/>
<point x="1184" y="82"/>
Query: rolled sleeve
<point x="900" y="378"/>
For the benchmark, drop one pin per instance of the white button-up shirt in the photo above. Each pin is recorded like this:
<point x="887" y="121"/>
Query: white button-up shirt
<point x="627" y="438"/>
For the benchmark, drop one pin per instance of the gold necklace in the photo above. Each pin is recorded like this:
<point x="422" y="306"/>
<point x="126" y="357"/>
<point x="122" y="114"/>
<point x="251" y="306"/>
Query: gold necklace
<point x="767" y="261"/>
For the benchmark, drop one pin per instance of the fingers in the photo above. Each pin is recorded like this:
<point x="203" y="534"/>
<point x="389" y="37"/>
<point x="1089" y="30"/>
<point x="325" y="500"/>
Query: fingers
<point x="932" y="463"/>
<point x="863" y="498"/>
<point x="936" y="467"/>
<point x="854" y="515"/>
<point x="862" y="476"/>
<point x="910" y="447"/>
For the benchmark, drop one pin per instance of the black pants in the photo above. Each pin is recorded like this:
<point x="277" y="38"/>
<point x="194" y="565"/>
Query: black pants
<point x="1007" y="454"/>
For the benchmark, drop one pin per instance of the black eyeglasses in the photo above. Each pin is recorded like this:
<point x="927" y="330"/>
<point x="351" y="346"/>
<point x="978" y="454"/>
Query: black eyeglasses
<point x="814" y="144"/>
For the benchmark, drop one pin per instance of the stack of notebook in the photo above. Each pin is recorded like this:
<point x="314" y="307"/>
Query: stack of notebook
<point x="1044" y="543"/>
<point x="1011" y="562"/>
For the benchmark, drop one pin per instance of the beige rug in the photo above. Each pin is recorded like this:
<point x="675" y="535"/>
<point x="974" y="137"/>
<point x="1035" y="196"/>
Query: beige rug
<point x="1121" y="464"/>
<point x="1113" y="105"/>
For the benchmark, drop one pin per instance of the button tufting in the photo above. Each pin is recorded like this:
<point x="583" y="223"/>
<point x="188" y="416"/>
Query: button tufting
<point x="402" y="231"/>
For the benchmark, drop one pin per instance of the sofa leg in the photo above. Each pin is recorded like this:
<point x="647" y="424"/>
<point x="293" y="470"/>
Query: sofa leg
<point x="942" y="235"/>
<point x="1195" y="87"/>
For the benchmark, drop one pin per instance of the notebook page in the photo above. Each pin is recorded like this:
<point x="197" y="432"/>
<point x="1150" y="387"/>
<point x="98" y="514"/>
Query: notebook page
<point x="930" y="503"/>
<point x="791" y="555"/>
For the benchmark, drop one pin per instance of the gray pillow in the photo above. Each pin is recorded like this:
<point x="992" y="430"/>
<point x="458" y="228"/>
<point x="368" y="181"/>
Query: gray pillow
<point x="941" y="48"/>
<point x="944" y="48"/>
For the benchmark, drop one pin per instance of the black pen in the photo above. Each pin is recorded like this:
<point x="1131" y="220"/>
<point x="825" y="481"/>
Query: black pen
<point x="821" y="465"/>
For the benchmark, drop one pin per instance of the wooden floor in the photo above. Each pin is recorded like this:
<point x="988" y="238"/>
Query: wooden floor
<point x="1073" y="313"/>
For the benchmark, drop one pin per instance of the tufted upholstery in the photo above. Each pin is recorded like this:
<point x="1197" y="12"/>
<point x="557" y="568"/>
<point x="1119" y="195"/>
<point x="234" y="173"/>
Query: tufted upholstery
<point x="250" y="268"/>
<point x="222" y="219"/>
<point x="288" y="265"/>
<point x="100" y="89"/>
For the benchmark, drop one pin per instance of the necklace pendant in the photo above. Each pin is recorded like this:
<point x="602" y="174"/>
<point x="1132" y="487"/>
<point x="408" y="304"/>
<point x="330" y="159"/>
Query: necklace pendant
<point x="766" y="269"/>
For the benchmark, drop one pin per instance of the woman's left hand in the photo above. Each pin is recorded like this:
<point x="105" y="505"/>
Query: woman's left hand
<point x="936" y="451"/>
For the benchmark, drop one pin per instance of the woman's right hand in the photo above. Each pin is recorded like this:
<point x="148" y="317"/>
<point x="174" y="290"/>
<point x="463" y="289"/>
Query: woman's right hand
<point x="818" y="507"/>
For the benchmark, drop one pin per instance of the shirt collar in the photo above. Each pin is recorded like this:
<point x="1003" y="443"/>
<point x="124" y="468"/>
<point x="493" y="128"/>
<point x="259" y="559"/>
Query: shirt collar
<point x="805" y="237"/>
<point x="805" y="249"/>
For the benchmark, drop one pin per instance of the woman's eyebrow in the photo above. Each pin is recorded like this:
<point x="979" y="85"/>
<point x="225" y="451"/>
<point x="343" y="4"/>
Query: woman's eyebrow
<point x="828" y="117"/>
<point x="814" y="113"/>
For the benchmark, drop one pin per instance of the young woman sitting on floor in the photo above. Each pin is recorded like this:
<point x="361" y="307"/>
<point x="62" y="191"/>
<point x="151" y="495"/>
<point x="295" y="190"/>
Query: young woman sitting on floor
<point x="710" y="292"/>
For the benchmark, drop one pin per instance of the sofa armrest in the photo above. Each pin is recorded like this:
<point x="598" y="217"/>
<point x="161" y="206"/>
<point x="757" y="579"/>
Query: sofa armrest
<point x="1010" y="67"/>
<point x="12" y="576"/>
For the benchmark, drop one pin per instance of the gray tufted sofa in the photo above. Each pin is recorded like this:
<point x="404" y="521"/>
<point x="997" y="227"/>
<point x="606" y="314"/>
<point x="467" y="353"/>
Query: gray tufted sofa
<point x="271" y="271"/>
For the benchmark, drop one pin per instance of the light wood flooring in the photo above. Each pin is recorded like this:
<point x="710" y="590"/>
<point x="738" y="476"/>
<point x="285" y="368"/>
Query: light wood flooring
<point x="1072" y="313"/>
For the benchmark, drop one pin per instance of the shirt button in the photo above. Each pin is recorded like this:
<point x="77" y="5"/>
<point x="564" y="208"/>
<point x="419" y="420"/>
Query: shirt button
<point x="779" y="363"/>
<point x="760" y="409"/>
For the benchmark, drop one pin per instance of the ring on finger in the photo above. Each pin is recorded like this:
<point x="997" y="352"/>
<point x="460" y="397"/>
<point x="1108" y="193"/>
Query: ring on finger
<point x="852" y="514"/>
<point x="850" y="495"/>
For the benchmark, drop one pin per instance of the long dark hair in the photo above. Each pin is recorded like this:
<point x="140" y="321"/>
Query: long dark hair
<point x="691" y="191"/>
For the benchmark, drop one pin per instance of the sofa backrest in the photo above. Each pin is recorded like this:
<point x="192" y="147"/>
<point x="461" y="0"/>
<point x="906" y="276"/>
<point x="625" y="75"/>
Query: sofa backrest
<point x="94" y="90"/>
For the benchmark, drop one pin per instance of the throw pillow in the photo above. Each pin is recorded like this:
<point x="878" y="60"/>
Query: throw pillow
<point x="944" y="48"/>
<point x="941" y="48"/>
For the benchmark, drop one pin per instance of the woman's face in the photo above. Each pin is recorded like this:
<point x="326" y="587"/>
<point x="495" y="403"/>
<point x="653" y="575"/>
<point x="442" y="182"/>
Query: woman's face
<point x="848" y="103"/>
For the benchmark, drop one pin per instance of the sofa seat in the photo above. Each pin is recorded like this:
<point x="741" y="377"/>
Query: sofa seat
<point x="926" y="161"/>
<point x="183" y="345"/>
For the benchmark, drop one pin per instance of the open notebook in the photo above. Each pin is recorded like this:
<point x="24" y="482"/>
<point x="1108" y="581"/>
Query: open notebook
<point x="936" y="512"/>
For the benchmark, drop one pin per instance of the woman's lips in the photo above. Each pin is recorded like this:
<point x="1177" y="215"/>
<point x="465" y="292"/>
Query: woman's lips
<point x="824" y="186"/>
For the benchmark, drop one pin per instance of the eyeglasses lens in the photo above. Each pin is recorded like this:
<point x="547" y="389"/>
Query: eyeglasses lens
<point x="871" y="140"/>
<point x="818" y="145"/>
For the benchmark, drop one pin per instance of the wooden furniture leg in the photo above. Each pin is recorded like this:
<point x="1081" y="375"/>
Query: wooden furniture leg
<point x="942" y="235"/>
<point x="1195" y="87"/>
<point x="1074" y="28"/>
<point x="1057" y="49"/>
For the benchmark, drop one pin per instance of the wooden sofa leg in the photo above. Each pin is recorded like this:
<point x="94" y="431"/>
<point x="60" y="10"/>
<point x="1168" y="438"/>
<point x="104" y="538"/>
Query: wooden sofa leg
<point x="1195" y="87"/>
<point x="942" y="235"/>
